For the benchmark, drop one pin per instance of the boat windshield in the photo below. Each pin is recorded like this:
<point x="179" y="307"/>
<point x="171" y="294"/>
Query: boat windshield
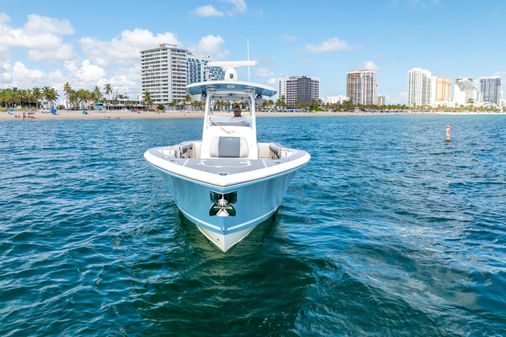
<point x="230" y="120"/>
<point x="231" y="113"/>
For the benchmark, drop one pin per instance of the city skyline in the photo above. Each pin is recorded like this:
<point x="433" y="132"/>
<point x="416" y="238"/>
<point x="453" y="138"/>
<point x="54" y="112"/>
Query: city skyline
<point x="52" y="42"/>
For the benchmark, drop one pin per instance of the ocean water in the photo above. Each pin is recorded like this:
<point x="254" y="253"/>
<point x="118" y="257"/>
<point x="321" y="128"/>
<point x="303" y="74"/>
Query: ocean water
<point x="389" y="231"/>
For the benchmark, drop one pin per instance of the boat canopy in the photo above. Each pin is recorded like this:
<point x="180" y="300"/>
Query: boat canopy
<point x="230" y="88"/>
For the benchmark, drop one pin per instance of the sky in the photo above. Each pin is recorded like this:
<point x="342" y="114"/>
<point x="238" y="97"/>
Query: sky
<point x="91" y="42"/>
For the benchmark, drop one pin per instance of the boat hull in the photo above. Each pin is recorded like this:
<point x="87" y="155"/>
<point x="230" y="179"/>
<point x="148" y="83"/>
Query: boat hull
<point x="253" y="203"/>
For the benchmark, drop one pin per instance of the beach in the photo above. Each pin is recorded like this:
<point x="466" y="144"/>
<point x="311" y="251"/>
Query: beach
<point x="127" y="114"/>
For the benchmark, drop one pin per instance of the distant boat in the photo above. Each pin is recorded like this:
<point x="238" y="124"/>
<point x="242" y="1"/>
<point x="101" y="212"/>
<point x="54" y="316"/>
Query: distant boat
<point x="227" y="183"/>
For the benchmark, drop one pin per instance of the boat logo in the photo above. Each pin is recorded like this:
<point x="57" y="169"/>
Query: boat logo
<point x="222" y="204"/>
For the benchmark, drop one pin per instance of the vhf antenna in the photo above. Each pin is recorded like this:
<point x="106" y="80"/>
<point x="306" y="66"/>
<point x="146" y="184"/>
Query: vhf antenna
<point x="249" y="72"/>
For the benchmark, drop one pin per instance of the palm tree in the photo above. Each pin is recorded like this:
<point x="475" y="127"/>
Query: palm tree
<point x="50" y="95"/>
<point x="83" y="96"/>
<point x="96" y="95"/>
<point x="68" y="92"/>
<point x="37" y="96"/>
<point x="173" y="103"/>
<point x="187" y="99"/>
<point x="108" y="91"/>
<point x="148" y="101"/>
<point x="280" y="103"/>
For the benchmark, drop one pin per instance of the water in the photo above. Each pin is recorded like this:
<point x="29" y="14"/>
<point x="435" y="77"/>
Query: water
<point x="388" y="231"/>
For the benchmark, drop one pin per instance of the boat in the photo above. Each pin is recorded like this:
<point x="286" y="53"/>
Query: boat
<point x="227" y="183"/>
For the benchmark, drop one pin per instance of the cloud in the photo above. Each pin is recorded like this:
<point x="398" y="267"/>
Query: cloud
<point x="207" y="11"/>
<point x="238" y="6"/>
<point x="124" y="48"/>
<point x="37" y="23"/>
<point x="370" y="65"/>
<point x="40" y="34"/>
<point x="19" y="75"/>
<point x="89" y="72"/>
<point x="331" y="45"/>
<point x="288" y="37"/>
<point x="64" y="51"/>
<point x="211" y="45"/>
<point x="235" y="7"/>
<point x="272" y="80"/>
<point x="264" y="72"/>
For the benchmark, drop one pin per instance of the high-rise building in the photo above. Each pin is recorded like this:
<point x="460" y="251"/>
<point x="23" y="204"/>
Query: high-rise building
<point x="199" y="71"/>
<point x="443" y="89"/>
<point x="282" y="88"/>
<point x="465" y="91"/>
<point x="298" y="89"/>
<point x="491" y="89"/>
<point x="361" y="86"/>
<point x="381" y="100"/>
<point x="166" y="71"/>
<point x="420" y="87"/>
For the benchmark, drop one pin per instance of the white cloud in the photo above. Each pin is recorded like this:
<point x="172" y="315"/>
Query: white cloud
<point x="272" y="80"/>
<point x="39" y="34"/>
<point x="207" y="11"/>
<point x="89" y="72"/>
<point x="211" y="45"/>
<point x="236" y="7"/>
<point x="5" y="73"/>
<point x="64" y="51"/>
<point x="288" y="37"/>
<point x="19" y="75"/>
<point x="264" y="72"/>
<point x="370" y="65"/>
<point x="330" y="45"/>
<point x="124" y="48"/>
<point x="239" y="6"/>
<point x="37" y="23"/>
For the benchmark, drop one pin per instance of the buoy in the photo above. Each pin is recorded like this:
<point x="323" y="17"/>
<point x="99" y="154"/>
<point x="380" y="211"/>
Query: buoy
<point x="448" y="133"/>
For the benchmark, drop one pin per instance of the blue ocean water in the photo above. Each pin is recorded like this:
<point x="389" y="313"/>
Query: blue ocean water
<point x="389" y="231"/>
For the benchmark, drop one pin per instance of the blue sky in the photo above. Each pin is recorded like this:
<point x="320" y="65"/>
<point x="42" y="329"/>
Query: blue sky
<point x="94" y="42"/>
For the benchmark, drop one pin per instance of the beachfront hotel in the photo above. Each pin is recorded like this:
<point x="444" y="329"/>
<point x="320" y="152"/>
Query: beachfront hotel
<point x="297" y="89"/>
<point x="420" y="86"/>
<point x="361" y="86"/>
<point x="491" y="89"/>
<point x="166" y="70"/>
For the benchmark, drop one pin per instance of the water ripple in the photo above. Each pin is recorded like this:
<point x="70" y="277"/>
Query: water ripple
<point x="388" y="231"/>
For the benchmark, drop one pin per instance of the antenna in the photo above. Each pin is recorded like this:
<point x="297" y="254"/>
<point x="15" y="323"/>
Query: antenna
<point x="230" y="66"/>
<point x="249" y="72"/>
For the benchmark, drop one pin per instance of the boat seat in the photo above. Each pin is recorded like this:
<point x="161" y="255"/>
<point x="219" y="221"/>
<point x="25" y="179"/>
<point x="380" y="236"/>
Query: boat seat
<point x="229" y="147"/>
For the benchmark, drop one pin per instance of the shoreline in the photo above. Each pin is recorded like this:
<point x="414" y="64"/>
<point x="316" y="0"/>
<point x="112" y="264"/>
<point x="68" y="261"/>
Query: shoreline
<point x="124" y="114"/>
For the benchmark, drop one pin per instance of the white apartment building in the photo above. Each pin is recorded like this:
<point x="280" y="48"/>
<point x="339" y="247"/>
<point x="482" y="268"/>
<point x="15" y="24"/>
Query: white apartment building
<point x="166" y="70"/>
<point x="421" y="87"/>
<point x="164" y="73"/>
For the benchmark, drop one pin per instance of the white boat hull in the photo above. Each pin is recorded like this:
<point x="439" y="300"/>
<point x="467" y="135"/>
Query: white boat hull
<point x="255" y="203"/>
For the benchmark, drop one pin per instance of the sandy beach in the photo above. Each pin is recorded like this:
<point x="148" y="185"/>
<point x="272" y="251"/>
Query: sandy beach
<point x="125" y="114"/>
